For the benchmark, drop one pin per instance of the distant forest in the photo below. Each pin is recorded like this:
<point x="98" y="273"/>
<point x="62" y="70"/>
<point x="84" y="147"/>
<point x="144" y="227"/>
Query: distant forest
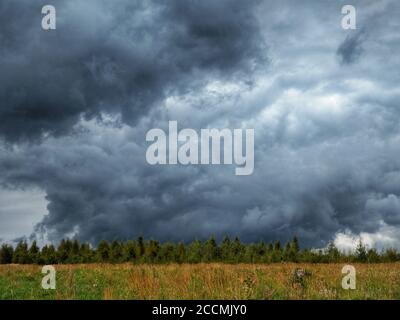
<point x="151" y="251"/>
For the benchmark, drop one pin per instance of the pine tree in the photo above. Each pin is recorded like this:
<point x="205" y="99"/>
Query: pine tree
<point x="21" y="255"/>
<point x="116" y="252"/>
<point x="48" y="255"/>
<point x="34" y="253"/>
<point x="226" y="249"/>
<point x="130" y="251"/>
<point x="86" y="254"/>
<point x="277" y="246"/>
<point x="195" y="252"/>
<point x="210" y="250"/>
<point x="391" y="255"/>
<point x="373" y="256"/>
<point x="295" y="245"/>
<point x="140" y="248"/>
<point x="6" y="254"/>
<point x="276" y="255"/>
<point x="75" y="256"/>
<point x="167" y="252"/>
<point x="287" y="252"/>
<point x="333" y="253"/>
<point x="103" y="251"/>
<point x="180" y="255"/>
<point x="64" y="251"/>
<point x="361" y="252"/>
<point x="237" y="250"/>
<point x="151" y="251"/>
<point x="249" y="254"/>
<point x="291" y="250"/>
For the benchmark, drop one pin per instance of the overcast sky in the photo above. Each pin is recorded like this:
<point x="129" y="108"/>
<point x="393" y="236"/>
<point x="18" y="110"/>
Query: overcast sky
<point x="76" y="104"/>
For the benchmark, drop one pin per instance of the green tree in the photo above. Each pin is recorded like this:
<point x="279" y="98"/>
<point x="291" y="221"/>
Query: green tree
<point x="295" y="245"/>
<point x="180" y="253"/>
<point x="261" y="249"/>
<point x="277" y="246"/>
<point x="248" y="254"/>
<point x="333" y="253"/>
<point x="64" y="251"/>
<point x="116" y="253"/>
<point x="34" y="253"/>
<point x="103" y="251"/>
<point x="151" y="251"/>
<point x="195" y="252"/>
<point x="391" y="255"/>
<point x="6" y="254"/>
<point x="130" y="251"/>
<point x="373" y="256"/>
<point x="361" y="252"/>
<point x="48" y="255"/>
<point x="210" y="250"/>
<point x="291" y="252"/>
<point x="140" y="248"/>
<point x="21" y="254"/>
<point x="226" y="249"/>
<point x="75" y="255"/>
<point x="86" y="253"/>
<point x="276" y="255"/>
<point x="238" y="250"/>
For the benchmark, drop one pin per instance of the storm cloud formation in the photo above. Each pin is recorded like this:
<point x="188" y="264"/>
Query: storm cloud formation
<point x="76" y="104"/>
<point x="122" y="57"/>
<point x="351" y="48"/>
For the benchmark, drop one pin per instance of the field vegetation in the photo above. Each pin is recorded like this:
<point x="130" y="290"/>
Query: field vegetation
<point x="201" y="281"/>
<point x="153" y="252"/>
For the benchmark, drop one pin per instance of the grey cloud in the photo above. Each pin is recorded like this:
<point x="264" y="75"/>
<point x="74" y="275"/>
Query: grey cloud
<point x="327" y="142"/>
<point x="388" y="208"/>
<point x="119" y="58"/>
<point x="350" y="50"/>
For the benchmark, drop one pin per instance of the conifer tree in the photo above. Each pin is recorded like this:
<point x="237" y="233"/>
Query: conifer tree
<point x="103" y="251"/>
<point x="140" y="248"/>
<point x="48" y="255"/>
<point x="116" y="252"/>
<point x="33" y="255"/>
<point x="64" y="251"/>
<point x="237" y="250"/>
<point x="295" y="245"/>
<point x="151" y="251"/>
<point x="210" y="250"/>
<point x="195" y="252"/>
<point x="6" y="254"/>
<point x="361" y="252"/>
<point x="21" y="254"/>
<point x="333" y="254"/>
<point x="277" y="246"/>
<point x="130" y="251"/>
<point x="180" y="255"/>
<point x="86" y="254"/>
<point x="226" y="249"/>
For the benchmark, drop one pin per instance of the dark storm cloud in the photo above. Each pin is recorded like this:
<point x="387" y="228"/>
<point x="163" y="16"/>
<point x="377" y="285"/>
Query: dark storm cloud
<point x="351" y="48"/>
<point x="326" y="135"/>
<point x="121" y="58"/>
<point x="99" y="187"/>
<point x="388" y="207"/>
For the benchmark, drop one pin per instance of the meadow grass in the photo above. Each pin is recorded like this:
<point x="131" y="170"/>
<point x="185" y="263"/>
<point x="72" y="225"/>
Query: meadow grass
<point x="200" y="281"/>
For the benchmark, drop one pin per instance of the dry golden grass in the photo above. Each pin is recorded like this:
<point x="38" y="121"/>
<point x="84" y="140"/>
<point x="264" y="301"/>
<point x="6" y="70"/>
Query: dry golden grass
<point x="200" y="281"/>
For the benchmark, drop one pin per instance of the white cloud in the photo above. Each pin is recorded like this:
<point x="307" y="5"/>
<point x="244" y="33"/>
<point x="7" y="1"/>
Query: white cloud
<point x="386" y="237"/>
<point x="20" y="211"/>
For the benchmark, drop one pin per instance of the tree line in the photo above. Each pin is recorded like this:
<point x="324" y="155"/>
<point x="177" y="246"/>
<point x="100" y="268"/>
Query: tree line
<point x="228" y="251"/>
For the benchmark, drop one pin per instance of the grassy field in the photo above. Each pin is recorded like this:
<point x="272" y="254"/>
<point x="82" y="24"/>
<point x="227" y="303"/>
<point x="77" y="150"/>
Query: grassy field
<point x="201" y="281"/>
